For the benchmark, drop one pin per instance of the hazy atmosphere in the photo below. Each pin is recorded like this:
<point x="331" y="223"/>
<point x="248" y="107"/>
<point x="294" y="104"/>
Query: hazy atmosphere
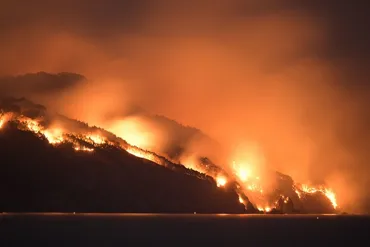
<point x="281" y="84"/>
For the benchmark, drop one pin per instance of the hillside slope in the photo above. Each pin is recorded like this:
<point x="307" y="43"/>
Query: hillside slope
<point x="53" y="163"/>
<point x="36" y="176"/>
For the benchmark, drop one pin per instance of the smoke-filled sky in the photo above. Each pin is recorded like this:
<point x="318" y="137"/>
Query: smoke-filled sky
<point x="289" y="78"/>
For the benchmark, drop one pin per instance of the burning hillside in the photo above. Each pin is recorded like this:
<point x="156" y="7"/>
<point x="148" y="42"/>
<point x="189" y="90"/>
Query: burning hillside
<point x="253" y="187"/>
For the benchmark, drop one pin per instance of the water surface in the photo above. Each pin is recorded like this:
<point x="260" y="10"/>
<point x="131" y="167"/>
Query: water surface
<point x="60" y="229"/>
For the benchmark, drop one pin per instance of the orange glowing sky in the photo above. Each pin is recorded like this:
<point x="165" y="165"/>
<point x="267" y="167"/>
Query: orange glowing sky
<point x="283" y="81"/>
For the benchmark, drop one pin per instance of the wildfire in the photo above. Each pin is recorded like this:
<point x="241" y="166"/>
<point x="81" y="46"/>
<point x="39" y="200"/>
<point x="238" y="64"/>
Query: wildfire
<point x="221" y="181"/>
<point x="298" y="192"/>
<point x="83" y="148"/>
<point x="190" y="162"/>
<point x="97" y="139"/>
<point x="144" y="155"/>
<point x="264" y="209"/>
<point x="286" y="199"/>
<point x="241" y="172"/>
<point x="329" y="193"/>
<point x="245" y="175"/>
<point x="4" y="118"/>
<point x="134" y="131"/>
<point x="54" y="136"/>
<point x="241" y="200"/>
<point x="32" y="125"/>
<point x="249" y="184"/>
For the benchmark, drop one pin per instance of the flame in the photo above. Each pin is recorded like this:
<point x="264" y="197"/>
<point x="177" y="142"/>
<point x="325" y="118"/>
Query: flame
<point x="286" y="199"/>
<point x="244" y="172"/>
<point x="332" y="197"/>
<point x="33" y="125"/>
<point x="190" y="162"/>
<point x="247" y="179"/>
<point x="241" y="172"/>
<point x="247" y="171"/>
<point x="83" y="148"/>
<point x="4" y="118"/>
<point x="54" y="136"/>
<point x="143" y="154"/>
<point x="134" y="132"/>
<point x="221" y="181"/>
<point x="329" y="193"/>
<point x="96" y="139"/>
<point x="298" y="192"/>
<point x="266" y="209"/>
<point x="241" y="200"/>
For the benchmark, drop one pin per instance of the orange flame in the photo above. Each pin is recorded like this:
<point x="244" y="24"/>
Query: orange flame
<point x="241" y="200"/>
<point x="54" y="136"/>
<point x="96" y="139"/>
<point x="4" y="118"/>
<point x="83" y="148"/>
<point x="134" y="131"/>
<point x="266" y="209"/>
<point x="244" y="173"/>
<point x="320" y="189"/>
<point x="221" y="181"/>
<point x="2" y="121"/>
<point x="143" y="154"/>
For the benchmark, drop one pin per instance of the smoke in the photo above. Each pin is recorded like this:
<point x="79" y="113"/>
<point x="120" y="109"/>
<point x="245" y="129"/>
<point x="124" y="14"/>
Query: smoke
<point x="263" y="73"/>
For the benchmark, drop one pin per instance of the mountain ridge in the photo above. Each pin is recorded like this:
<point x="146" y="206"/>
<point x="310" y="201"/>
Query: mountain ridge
<point x="97" y="182"/>
<point x="37" y="112"/>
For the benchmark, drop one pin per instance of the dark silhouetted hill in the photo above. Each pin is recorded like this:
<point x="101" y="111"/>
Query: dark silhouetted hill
<point x="35" y="176"/>
<point x="38" y="177"/>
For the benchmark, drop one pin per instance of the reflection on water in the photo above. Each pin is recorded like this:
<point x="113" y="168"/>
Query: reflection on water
<point x="194" y="215"/>
<point x="97" y="229"/>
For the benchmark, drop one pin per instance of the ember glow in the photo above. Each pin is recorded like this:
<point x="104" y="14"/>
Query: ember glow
<point x="265" y="209"/>
<point x="4" y="117"/>
<point x="250" y="183"/>
<point x="221" y="181"/>
<point x="329" y="193"/>
<point x="97" y="139"/>
<point x="143" y="154"/>
<point x="54" y="136"/>
<point x="134" y="132"/>
<point x="241" y="200"/>
<point x="253" y="183"/>
<point x="295" y="82"/>
<point x="32" y="125"/>
<point x="242" y="173"/>
<point x="249" y="178"/>
<point x="82" y="148"/>
<point x="190" y="162"/>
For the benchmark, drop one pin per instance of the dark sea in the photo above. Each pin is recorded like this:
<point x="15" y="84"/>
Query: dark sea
<point x="53" y="229"/>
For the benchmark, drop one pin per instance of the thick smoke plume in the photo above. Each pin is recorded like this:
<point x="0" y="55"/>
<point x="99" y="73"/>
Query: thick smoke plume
<point x="262" y="78"/>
